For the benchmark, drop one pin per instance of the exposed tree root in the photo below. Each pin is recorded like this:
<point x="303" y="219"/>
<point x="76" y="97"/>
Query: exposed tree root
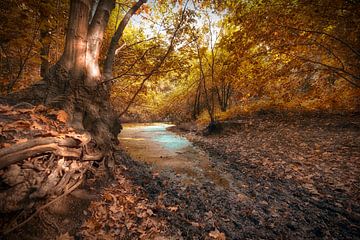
<point x="41" y="158"/>
<point x="43" y="207"/>
<point x="21" y="151"/>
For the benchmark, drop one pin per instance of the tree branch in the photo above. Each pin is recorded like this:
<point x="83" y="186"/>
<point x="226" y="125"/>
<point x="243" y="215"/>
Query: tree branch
<point x="108" y="65"/>
<point x="159" y="64"/>
<point x="335" y="69"/>
<point x="323" y="33"/>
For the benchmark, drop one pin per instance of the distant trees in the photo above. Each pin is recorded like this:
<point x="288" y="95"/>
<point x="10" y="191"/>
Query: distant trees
<point x="31" y="36"/>
<point x="278" y="54"/>
<point x="299" y="55"/>
<point x="298" y="44"/>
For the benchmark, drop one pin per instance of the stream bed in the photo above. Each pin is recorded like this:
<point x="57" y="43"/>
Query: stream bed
<point x="165" y="150"/>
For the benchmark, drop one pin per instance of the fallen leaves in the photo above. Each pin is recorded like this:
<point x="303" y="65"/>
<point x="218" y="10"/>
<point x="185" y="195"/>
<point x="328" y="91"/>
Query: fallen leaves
<point x="296" y="169"/>
<point x="173" y="209"/>
<point x="15" y="123"/>
<point x="123" y="212"/>
<point x="216" y="234"/>
<point x="44" y="161"/>
<point x="108" y="196"/>
<point x="285" y="187"/>
<point x="62" y="116"/>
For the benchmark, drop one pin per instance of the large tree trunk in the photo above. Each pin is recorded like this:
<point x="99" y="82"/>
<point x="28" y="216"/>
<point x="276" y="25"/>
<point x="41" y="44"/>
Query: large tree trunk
<point x="74" y="83"/>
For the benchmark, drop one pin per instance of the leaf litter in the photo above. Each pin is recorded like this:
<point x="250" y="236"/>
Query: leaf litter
<point x="297" y="177"/>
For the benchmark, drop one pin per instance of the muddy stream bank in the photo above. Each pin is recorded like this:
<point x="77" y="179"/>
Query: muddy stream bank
<point x="266" y="177"/>
<point x="165" y="150"/>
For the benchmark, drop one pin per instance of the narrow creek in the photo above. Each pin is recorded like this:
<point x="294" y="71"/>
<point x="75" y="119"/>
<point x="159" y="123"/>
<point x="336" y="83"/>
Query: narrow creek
<point x="164" y="150"/>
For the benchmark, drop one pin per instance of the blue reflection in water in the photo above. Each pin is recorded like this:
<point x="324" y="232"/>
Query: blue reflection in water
<point x="158" y="133"/>
<point x="171" y="142"/>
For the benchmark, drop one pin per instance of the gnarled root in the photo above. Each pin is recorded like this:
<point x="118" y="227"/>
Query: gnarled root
<point x="41" y="159"/>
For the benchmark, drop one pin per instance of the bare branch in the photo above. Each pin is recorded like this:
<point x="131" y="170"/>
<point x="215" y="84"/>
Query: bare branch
<point x="170" y="48"/>
<point x="323" y="33"/>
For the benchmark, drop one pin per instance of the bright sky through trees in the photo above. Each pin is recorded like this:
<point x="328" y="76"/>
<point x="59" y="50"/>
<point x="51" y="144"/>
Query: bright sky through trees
<point x="152" y="24"/>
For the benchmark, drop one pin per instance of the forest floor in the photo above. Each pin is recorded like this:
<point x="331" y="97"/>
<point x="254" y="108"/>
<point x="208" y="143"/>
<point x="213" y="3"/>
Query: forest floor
<point x="295" y="177"/>
<point x="299" y="175"/>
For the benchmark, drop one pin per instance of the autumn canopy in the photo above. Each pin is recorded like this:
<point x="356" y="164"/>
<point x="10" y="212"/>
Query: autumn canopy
<point x="72" y="71"/>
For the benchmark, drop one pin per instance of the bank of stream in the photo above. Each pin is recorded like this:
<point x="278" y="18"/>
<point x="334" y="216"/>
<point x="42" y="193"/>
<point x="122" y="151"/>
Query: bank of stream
<point x="264" y="177"/>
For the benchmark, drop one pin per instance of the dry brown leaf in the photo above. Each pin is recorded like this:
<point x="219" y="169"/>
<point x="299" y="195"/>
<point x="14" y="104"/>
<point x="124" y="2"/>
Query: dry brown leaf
<point x="108" y="196"/>
<point x="217" y="235"/>
<point x="130" y="199"/>
<point x="62" y="116"/>
<point x="115" y="209"/>
<point x="173" y="209"/>
<point x="150" y="212"/>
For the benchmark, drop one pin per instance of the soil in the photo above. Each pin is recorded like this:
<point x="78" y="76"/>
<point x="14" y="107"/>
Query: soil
<point x="300" y="175"/>
<point x="295" y="177"/>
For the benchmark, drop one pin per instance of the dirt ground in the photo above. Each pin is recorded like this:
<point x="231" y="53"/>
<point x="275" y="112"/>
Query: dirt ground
<point x="300" y="175"/>
<point x="296" y="177"/>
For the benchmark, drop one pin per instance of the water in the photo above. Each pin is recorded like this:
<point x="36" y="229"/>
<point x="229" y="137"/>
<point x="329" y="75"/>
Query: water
<point x="165" y="150"/>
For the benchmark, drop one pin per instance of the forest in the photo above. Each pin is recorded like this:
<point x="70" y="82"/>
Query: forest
<point x="179" y="119"/>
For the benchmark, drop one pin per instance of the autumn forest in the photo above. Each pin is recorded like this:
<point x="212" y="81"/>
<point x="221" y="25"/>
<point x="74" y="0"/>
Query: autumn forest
<point x="179" y="119"/>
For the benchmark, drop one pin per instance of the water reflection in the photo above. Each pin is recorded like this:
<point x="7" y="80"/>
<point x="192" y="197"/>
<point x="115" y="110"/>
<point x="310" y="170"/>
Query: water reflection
<point x="172" y="142"/>
<point x="163" y="149"/>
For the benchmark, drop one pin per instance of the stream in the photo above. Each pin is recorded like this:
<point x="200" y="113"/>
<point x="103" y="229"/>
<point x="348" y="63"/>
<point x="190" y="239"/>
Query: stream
<point x="164" y="150"/>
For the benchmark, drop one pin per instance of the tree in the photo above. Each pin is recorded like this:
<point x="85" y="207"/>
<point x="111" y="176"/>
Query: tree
<point x="75" y="82"/>
<point x="304" y="50"/>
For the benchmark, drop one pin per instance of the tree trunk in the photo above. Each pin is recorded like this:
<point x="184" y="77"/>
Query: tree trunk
<point x="45" y="43"/>
<point x="74" y="83"/>
<point x="44" y="52"/>
<point x="95" y="36"/>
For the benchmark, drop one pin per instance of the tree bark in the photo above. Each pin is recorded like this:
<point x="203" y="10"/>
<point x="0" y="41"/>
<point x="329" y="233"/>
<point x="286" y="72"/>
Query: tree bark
<point x="74" y="55"/>
<point x="95" y="37"/>
<point x="74" y="82"/>
<point x="44" y="52"/>
<point x="45" y="43"/>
